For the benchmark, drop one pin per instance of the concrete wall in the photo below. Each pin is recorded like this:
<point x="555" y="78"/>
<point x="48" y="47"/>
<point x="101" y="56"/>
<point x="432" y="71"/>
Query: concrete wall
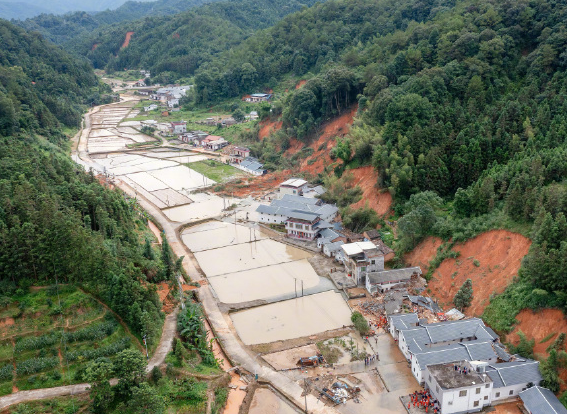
<point x="272" y="218"/>
<point x="504" y="392"/>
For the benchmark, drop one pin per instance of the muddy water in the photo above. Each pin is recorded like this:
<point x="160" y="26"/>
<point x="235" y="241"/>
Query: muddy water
<point x="219" y="234"/>
<point x="181" y="177"/>
<point x="247" y="256"/>
<point x="204" y="206"/>
<point x="268" y="282"/>
<point x="266" y="401"/>
<point x="292" y="318"/>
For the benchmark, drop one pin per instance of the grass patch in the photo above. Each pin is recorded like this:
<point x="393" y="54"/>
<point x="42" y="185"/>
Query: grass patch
<point x="5" y="388"/>
<point x="548" y="337"/>
<point x="214" y="170"/>
<point x="330" y="353"/>
<point x="59" y="405"/>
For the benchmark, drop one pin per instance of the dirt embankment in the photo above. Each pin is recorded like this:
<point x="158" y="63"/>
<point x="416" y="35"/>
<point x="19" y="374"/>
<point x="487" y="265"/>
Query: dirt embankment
<point x="541" y="325"/>
<point x="366" y="178"/>
<point x="490" y="260"/>
<point x="324" y="142"/>
<point x="256" y="186"/>
<point x="300" y="83"/>
<point x="127" y="40"/>
<point x="268" y="127"/>
<point x="423" y="253"/>
<point x="95" y="46"/>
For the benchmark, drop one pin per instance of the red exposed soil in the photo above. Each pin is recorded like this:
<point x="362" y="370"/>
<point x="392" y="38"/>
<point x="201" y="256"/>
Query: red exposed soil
<point x="538" y="325"/>
<point x="366" y="178"/>
<point x="163" y="293"/>
<point x="322" y="146"/>
<point x="127" y="40"/>
<point x="6" y="322"/>
<point x="95" y="46"/>
<point x="423" y="253"/>
<point x="300" y="84"/>
<point x="500" y="253"/>
<point x="155" y="231"/>
<point x="267" y="127"/>
<point x="256" y="186"/>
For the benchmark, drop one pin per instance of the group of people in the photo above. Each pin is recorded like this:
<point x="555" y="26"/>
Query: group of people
<point x="462" y="370"/>
<point x="423" y="399"/>
<point x="371" y="358"/>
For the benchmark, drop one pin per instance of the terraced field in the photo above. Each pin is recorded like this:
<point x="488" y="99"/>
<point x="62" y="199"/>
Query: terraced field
<point x="48" y="334"/>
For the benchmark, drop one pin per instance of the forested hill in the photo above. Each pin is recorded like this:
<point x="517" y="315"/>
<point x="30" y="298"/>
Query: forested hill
<point x="62" y="28"/>
<point x="56" y="221"/>
<point x="41" y="86"/>
<point x="181" y="43"/>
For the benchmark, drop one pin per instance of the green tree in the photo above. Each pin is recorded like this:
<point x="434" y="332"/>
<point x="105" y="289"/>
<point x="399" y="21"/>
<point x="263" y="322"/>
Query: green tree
<point x="464" y="296"/>
<point x="130" y="368"/>
<point x="146" y="400"/>
<point x="98" y="374"/>
<point x="359" y="322"/>
<point x="238" y="115"/>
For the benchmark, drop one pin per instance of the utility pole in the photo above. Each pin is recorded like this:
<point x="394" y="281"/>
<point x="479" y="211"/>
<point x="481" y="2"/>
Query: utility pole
<point x="306" y="392"/>
<point x="295" y="285"/>
<point x="146" y="344"/>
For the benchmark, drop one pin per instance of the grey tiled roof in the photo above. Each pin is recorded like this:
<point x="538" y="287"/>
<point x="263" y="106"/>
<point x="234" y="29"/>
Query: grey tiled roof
<point x="392" y="275"/>
<point x="466" y="328"/>
<point x="299" y="199"/>
<point x="333" y="247"/>
<point x="441" y="355"/>
<point x="290" y="203"/>
<point x="540" y="400"/>
<point x="513" y="373"/>
<point x="404" y="321"/>
<point x="463" y="351"/>
<point x="329" y="234"/>
<point x="501" y="352"/>
<point x="479" y="351"/>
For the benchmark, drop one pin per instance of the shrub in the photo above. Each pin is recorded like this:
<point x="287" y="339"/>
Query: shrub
<point x="37" y="342"/>
<point x="360" y="323"/>
<point x="6" y="373"/>
<point x="104" y="351"/>
<point x="156" y="374"/>
<point x="476" y="263"/>
<point x="33" y="365"/>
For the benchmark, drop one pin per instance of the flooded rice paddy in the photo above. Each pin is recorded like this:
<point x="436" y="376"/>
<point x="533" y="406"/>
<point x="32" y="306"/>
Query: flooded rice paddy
<point x="215" y="234"/>
<point x="292" y="318"/>
<point x="246" y="256"/>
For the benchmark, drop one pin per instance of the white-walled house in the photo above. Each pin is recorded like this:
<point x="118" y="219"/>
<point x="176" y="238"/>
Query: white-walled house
<point x="279" y="210"/>
<point x="402" y="321"/>
<point x="293" y="186"/>
<point x="511" y="378"/>
<point x="456" y="391"/>
<point x="387" y="279"/>
<point x="539" y="400"/>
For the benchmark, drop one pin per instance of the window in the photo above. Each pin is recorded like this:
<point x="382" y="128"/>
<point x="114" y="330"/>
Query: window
<point x="449" y="402"/>
<point x="363" y="268"/>
<point x="373" y="262"/>
<point x="463" y="393"/>
<point x="511" y="392"/>
<point x="487" y="386"/>
<point x="476" y="403"/>
<point x="486" y="397"/>
<point x="437" y="388"/>
<point x="478" y="390"/>
<point x="497" y="395"/>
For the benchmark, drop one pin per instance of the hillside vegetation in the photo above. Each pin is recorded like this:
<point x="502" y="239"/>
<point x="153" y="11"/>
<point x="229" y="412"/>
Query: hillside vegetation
<point x="62" y="28"/>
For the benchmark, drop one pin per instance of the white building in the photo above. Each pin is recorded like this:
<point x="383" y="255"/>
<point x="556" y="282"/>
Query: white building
<point x="456" y="391"/>
<point x="293" y="186"/>
<point x="179" y="127"/>
<point x="251" y="165"/>
<point x="511" y="378"/>
<point x="151" y="107"/>
<point x="402" y="321"/>
<point x="361" y="258"/>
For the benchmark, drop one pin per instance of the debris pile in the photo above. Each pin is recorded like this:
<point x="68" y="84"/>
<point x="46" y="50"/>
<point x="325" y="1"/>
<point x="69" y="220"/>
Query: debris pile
<point x="334" y="389"/>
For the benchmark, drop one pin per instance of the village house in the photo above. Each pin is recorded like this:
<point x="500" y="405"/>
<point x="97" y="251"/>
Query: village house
<point x="400" y="322"/>
<point x="145" y="92"/>
<point x="456" y="391"/>
<point x="210" y="121"/>
<point x="280" y="210"/>
<point x="140" y="83"/>
<point x="238" y="154"/>
<point x="214" y="143"/>
<point x="151" y="107"/>
<point x="361" y="258"/>
<point x="228" y="122"/>
<point x="178" y="127"/>
<point x="258" y="97"/>
<point x="252" y="166"/>
<point x="511" y="378"/>
<point x="302" y="225"/>
<point x="465" y="351"/>
<point x="416" y="339"/>
<point x="149" y="123"/>
<point x="384" y="280"/>
<point x="314" y="192"/>
<point x="253" y="116"/>
<point x="539" y="400"/>
<point x="293" y="186"/>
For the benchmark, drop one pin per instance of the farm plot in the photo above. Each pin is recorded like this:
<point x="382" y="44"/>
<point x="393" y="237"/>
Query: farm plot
<point x="295" y="318"/>
<point x="51" y="333"/>
<point x="204" y="206"/>
<point x="217" y="234"/>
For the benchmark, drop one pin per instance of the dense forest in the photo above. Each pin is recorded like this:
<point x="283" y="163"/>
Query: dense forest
<point x="172" y="46"/>
<point x="63" y="28"/>
<point x="57" y="223"/>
